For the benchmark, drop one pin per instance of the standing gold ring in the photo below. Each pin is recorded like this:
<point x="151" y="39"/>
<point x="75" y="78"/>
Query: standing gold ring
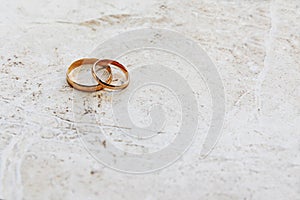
<point x="87" y="88"/>
<point x="107" y="62"/>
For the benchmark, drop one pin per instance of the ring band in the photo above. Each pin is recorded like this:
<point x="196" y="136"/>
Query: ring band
<point x="86" y="88"/>
<point x="107" y="62"/>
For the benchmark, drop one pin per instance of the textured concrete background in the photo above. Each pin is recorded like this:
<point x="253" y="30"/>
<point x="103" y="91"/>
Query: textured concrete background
<point x="254" y="44"/>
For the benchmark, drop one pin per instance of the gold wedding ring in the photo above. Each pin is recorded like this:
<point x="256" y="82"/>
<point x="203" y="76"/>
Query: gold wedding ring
<point x="106" y="84"/>
<point x="104" y="64"/>
<point x="87" y="88"/>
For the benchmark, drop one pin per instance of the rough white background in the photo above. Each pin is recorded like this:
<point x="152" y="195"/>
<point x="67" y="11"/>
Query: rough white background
<point x="254" y="44"/>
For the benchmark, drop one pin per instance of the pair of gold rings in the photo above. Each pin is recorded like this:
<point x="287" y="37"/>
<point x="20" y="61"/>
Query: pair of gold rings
<point x="105" y="64"/>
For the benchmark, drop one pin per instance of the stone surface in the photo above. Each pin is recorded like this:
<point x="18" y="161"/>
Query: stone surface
<point x="255" y="45"/>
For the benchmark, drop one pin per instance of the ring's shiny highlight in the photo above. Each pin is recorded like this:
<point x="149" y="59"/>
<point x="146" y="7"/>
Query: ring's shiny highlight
<point x="107" y="62"/>
<point x="87" y="88"/>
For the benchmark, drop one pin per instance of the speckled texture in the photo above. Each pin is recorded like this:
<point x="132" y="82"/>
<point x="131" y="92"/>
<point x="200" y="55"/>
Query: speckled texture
<point x="255" y="45"/>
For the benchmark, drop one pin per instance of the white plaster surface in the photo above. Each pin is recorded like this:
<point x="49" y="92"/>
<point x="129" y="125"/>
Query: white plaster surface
<point x="255" y="45"/>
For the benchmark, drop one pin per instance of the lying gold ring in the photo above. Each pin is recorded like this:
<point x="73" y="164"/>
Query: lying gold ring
<point x="107" y="62"/>
<point x="86" y="88"/>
